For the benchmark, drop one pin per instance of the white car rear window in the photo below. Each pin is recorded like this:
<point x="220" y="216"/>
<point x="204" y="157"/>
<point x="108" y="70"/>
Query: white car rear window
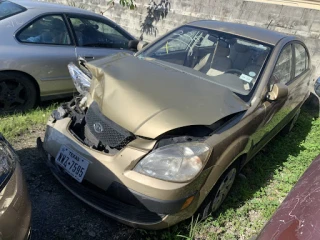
<point x="8" y="9"/>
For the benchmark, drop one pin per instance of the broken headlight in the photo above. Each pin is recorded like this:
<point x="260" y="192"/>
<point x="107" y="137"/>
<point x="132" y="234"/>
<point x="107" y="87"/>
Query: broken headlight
<point x="80" y="79"/>
<point x="7" y="160"/>
<point x="176" y="162"/>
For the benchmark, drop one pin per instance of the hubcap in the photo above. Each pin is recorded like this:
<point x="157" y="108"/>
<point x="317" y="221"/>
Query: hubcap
<point x="224" y="189"/>
<point x="12" y="95"/>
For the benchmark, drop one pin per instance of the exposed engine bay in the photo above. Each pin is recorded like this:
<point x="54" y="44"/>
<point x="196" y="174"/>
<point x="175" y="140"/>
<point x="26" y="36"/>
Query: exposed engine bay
<point x="92" y="128"/>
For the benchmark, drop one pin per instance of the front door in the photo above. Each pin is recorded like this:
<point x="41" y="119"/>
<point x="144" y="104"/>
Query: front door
<point x="97" y="37"/>
<point x="276" y="111"/>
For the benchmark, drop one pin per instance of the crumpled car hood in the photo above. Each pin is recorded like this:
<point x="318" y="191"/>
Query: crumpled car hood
<point x="149" y="98"/>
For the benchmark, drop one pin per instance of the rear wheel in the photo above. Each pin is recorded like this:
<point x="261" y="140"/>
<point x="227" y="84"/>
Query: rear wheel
<point x="17" y="93"/>
<point x="219" y="192"/>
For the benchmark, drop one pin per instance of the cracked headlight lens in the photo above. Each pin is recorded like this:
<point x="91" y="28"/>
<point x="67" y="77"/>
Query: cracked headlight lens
<point x="177" y="162"/>
<point x="7" y="160"/>
<point x="80" y="79"/>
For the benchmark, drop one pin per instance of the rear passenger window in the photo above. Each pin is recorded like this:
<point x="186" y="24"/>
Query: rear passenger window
<point x="302" y="59"/>
<point x="8" y="9"/>
<point x="283" y="69"/>
<point x="46" y="30"/>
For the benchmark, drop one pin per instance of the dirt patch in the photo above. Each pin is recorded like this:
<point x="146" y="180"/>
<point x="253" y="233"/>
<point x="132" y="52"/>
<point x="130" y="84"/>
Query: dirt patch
<point x="56" y="213"/>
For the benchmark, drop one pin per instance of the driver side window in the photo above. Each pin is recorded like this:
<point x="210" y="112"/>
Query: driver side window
<point x="283" y="69"/>
<point x="95" y="33"/>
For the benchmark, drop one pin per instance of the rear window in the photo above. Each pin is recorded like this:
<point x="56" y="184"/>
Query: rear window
<point x="8" y="9"/>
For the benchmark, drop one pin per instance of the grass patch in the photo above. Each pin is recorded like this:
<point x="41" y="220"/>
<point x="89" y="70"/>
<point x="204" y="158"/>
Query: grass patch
<point x="12" y="126"/>
<point x="254" y="198"/>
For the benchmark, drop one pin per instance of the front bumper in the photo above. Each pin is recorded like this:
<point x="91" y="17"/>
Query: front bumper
<point x="118" y="192"/>
<point x="15" y="208"/>
<point x="101" y="201"/>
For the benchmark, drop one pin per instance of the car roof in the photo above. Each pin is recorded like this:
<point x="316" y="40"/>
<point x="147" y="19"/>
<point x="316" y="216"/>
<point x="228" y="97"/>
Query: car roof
<point x="31" y="4"/>
<point x="247" y="31"/>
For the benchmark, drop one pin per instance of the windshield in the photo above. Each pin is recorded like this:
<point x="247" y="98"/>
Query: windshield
<point x="222" y="58"/>
<point x="8" y="9"/>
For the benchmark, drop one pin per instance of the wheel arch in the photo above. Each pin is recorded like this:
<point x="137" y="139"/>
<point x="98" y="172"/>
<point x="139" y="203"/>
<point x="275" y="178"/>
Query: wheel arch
<point x="236" y="153"/>
<point x="207" y="191"/>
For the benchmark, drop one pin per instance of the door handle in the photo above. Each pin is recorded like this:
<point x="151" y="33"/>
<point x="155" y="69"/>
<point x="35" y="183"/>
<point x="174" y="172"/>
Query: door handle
<point x="89" y="57"/>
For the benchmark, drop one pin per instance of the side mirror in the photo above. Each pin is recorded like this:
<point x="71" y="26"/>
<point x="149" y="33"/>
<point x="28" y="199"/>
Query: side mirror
<point x="278" y="91"/>
<point x="317" y="87"/>
<point x="141" y="45"/>
<point x="133" y="44"/>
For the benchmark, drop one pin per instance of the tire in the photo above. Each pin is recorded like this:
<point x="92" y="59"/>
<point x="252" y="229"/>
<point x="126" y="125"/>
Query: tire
<point x="219" y="192"/>
<point x="291" y="124"/>
<point x="17" y="93"/>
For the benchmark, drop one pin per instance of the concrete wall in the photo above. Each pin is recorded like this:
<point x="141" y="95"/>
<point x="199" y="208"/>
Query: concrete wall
<point x="152" y="19"/>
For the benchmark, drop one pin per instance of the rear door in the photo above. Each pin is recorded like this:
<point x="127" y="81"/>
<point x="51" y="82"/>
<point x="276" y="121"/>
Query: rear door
<point x="293" y="70"/>
<point x="97" y="37"/>
<point x="299" y="86"/>
<point x="46" y="48"/>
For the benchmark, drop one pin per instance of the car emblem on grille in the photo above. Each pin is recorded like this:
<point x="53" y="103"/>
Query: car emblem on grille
<point x="98" y="127"/>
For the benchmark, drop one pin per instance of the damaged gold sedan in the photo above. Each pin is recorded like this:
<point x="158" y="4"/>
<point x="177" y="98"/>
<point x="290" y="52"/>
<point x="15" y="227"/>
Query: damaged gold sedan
<point x="160" y="136"/>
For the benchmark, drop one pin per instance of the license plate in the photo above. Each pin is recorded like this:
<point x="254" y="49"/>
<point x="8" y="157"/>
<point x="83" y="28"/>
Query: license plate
<point x="73" y="163"/>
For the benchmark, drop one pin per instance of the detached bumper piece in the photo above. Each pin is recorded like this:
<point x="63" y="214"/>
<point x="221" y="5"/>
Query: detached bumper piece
<point x="98" y="199"/>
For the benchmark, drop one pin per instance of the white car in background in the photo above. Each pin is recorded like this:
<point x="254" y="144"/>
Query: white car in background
<point x="39" y="39"/>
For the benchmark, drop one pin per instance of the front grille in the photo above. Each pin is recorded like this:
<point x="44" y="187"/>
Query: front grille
<point x="105" y="130"/>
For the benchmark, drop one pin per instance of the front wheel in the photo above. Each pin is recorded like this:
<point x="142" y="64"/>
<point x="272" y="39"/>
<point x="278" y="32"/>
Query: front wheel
<point x="17" y="93"/>
<point x="219" y="192"/>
